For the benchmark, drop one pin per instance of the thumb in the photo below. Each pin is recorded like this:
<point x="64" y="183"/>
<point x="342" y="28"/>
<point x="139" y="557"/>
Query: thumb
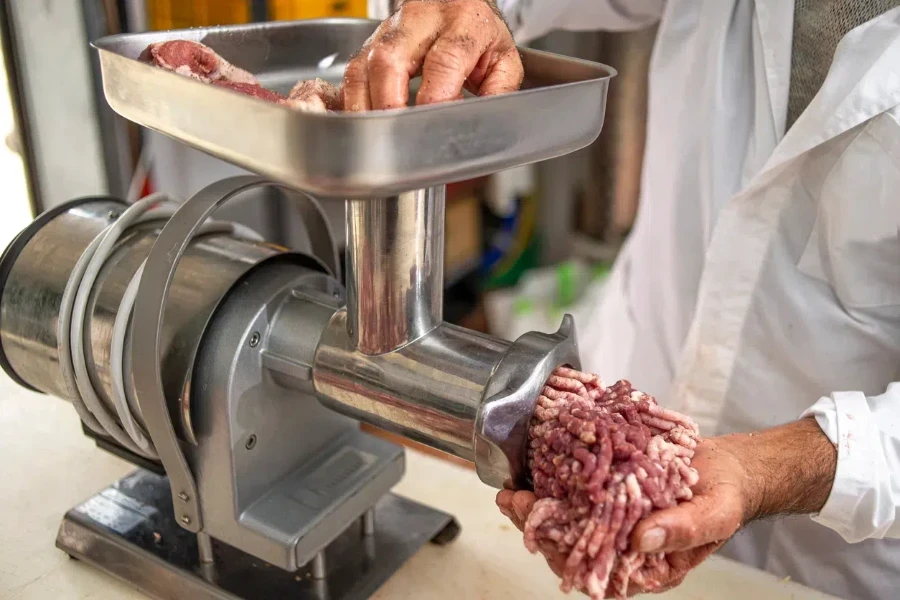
<point x="704" y="520"/>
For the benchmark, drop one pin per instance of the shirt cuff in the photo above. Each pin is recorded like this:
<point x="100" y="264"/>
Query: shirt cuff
<point x="846" y="419"/>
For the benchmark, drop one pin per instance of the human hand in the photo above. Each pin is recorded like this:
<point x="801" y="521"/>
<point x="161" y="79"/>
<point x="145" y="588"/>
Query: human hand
<point x="516" y="506"/>
<point x="783" y="470"/>
<point x="454" y="44"/>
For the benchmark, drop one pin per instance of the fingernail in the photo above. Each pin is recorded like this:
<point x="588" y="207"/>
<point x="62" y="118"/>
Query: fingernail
<point x="519" y="512"/>
<point x="506" y="513"/>
<point x="653" y="540"/>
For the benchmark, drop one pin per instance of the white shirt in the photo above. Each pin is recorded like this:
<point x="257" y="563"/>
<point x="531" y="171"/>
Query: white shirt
<point x="762" y="277"/>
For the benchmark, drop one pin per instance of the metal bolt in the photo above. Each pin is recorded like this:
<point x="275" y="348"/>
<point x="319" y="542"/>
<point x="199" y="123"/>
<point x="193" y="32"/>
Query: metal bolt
<point x="113" y="215"/>
<point x="186" y="520"/>
<point x="184" y="496"/>
<point x="254" y="340"/>
<point x="251" y="442"/>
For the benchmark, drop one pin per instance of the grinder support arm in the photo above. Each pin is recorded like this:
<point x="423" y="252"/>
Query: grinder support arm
<point x="149" y="309"/>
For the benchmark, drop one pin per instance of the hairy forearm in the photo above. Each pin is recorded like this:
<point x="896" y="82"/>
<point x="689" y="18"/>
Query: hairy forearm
<point x="792" y="468"/>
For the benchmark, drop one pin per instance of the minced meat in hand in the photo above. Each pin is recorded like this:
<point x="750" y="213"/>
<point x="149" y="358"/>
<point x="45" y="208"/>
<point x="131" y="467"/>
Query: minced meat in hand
<point x="601" y="459"/>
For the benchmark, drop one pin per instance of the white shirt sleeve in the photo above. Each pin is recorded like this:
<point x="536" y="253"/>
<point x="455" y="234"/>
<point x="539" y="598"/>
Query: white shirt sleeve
<point x="865" y="498"/>
<point x="530" y="19"/>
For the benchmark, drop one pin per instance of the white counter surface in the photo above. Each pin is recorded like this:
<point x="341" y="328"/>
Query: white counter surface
<point x="48" y="466"/>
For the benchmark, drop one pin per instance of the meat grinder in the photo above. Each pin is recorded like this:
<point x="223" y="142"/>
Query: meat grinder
<point x="235" y="372"/>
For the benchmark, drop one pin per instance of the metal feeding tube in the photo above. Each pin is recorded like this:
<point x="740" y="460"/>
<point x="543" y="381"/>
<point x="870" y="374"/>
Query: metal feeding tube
<point x="395" y="269"/>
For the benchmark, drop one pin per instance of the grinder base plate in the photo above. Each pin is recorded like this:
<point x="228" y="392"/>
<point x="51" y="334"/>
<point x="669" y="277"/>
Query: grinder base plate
<point x="129" y="531"/>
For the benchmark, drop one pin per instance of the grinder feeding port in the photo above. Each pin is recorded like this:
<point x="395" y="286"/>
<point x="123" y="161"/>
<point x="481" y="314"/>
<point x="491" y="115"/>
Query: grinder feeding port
<point x="237" y="370"/>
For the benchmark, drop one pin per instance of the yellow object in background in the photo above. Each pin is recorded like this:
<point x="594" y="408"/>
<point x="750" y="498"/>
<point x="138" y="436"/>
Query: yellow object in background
<point x="180" y="14"/>
<point x="284" y="10"/>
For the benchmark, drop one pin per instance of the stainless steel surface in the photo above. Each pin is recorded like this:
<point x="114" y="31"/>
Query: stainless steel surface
<point x="395" y="269"/>
<point x="294" y="332"/>
<point x="368" y="522"/>
<point x="149" y="311"/>
<point x="205" y="548"/>
<point x="428" y="391"/>
<point x="129" y="531"/>
<point x="318" y="566"/>
<point x="311" y="473"/>
<point x="343" y="155"/>
<point x="501" y="430"/>
<point x="31" y="298"/>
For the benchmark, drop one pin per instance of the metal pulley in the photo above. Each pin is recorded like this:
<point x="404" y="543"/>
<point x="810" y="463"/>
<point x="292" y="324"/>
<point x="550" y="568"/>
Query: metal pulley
<point x="61" y="250"/>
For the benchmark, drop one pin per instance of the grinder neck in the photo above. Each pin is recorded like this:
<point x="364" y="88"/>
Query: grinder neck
<point x="395" y="269"/>
<point x="390" y="361"/>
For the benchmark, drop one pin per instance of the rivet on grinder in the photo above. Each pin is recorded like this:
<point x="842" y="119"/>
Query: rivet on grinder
<point x="186" y="520"/>
<point x="254" y="340"/>
<point x="184" y="496"/>
<point x="251" y="442"/>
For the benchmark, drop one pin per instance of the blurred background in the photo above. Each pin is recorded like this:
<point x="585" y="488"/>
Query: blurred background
<point x="523" y="246"/>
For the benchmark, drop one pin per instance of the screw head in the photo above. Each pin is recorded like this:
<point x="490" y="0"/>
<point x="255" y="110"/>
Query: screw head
<point x="186" y="520"/>
<point x="251" y="442"/>
<point x="184" y="496"/>
<point x="254" y="340"/>
<point x="113" y="215"/>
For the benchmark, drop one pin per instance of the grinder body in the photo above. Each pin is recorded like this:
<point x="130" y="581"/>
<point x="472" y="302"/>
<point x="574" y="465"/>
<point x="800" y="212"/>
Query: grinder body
<point x="266" y="366"/>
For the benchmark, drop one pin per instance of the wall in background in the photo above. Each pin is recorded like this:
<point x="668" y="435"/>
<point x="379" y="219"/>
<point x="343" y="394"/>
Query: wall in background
<point x="14" y="202"/>
<point x="55" y="75"/>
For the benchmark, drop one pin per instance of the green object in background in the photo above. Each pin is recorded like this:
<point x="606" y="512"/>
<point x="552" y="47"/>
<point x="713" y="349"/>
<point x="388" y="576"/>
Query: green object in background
<point x="601" y="271"/>
<point x="512" y="272"/>
<point x="566" y="284"/>
<point x="522" y="306"/>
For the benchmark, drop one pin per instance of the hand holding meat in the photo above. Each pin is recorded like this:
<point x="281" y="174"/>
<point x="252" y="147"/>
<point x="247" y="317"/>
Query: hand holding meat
<point x="601" y="459"/>
<point x="743" y="477"/>
<point x="454" y="44"/>
<point x="627" y="498"/>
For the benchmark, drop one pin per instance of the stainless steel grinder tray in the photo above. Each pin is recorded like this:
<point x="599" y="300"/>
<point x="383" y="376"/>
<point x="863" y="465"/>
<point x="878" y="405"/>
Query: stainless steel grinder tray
<point x="559" y="110"/>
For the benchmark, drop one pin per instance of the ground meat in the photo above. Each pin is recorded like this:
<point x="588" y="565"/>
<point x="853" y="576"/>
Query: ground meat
<point x="197" y="61"/>
<point x="601" y="459"/>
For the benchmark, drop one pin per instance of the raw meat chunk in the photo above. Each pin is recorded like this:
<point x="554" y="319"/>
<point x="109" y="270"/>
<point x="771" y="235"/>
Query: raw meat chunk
<point x="314" y="95"/>
<point x="195" y="60"/>
<point x="257" y="91"/>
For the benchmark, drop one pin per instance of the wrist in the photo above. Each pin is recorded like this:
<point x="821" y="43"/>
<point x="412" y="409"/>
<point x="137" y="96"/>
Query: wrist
<point x="787" y="469"/>
<point x="745" y="451"/>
